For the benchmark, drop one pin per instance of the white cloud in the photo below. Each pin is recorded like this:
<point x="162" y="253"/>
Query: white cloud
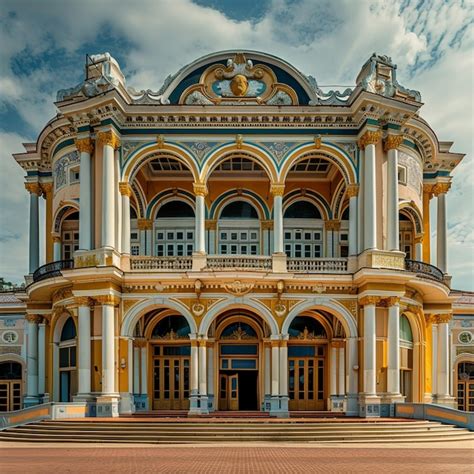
<point x="430" y="40"/>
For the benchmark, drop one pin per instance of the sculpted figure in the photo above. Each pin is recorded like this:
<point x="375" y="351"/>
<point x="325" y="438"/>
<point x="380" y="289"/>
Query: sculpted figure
<point x="239" y="85"/>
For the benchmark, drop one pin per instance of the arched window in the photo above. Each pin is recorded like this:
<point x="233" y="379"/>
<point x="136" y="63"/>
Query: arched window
<point x="134" y="233"/>
<point x="306" y="327"/>
<point x="406" y="235"/>
<point x="406" y="333"/>
<point x="70" y="235"/>
<point x="67" y="361"/>
<point x="171" y="327"/>
<point x="174" y="229"/>
<point x="239" y="229"/>
<point x="303" y="229"/>
<point x="406" y="358"/>
<point x="343" y="243"/>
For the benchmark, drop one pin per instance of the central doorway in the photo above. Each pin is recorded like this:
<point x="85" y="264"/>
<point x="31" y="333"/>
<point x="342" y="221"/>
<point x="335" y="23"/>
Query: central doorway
<point x="239" y="340"/>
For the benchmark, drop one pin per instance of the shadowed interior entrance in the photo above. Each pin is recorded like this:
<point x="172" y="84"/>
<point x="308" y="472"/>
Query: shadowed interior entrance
<point x="238" y="390"/>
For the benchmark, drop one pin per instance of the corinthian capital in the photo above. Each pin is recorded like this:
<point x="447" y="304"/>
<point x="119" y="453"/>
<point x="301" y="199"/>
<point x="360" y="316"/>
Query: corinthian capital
<point x="441" y="188"/>
<point x="34" y="188"/>
<point x="392" y="142"/>
<point x="108" y="138"/>
<point x="352" y="190"/>
<point x="84" y="145"/>
<point x="370" y="137"/>
<point x="110" y="300"/>
<point x="125" y="189"/>
<point x="33" y="318"/>
<point x="200" y="189"/>
<point x="370" y="300"/>
<point x="277" y="189"/>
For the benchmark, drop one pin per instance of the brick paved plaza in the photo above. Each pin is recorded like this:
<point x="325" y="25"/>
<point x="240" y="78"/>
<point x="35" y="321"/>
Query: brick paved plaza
<point x="238" y="459"/>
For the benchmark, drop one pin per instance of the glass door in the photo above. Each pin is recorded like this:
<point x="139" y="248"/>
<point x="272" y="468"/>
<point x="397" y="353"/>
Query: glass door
<point x="10" y="395"/>
<point x="229" y="392"/>
<point x="465" y="395"/>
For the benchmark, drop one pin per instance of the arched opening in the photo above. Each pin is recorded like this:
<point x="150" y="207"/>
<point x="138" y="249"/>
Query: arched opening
<point x="343" y="243"/>
<point x="239" y="347"/>
<point x="303" y="230"/>
<point x="67" y="361"/>
<point x="170" y="349"/>
<point x="134" y="233"/>
<point x="307" y="371"/>
<point x="465" y="385"/>
<point x="174" y="229"/>
<point x="239" y="229"/>
<point x="406" y="358"/>
<point x="10" y="385"/>
<point x="70" y="235"/>
<point x="406" y="235"/>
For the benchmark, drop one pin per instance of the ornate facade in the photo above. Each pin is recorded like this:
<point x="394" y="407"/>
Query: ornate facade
<point x="238" y="240"/>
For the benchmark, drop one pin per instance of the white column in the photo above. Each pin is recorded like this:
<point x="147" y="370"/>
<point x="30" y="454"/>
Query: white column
<point x="149" y="240"/>
<point x="109" y="142"/>
<point x="144" y="369"/>
<point x="32" y="356"/>
<point x="441" y="242"/>
<point x="275" y="368"/>
<point x="369" y="347"/>
<point x="333" y="368"/>
<point x="194" y="382"/>
<point x="210" y="370"/>
<point x="434" y="359"/>
<point x="35" y="191"/>
<point x="419" y="248"/>
<point x="212" y="240"/>
<point x="118" y="203"/>
<point x="108" y="349"/>
<point x="84" y="146"/>
<point x="353" y="237"/>
<point x="56" y="248"/>
<point x="125" y="196"/>
<point x="360" y="204"/>
<point x="84" y="349"/>
<point x="352" y="379"/>
<point x="341" y="372"/>
<point x="41" y="358"/>
<point x="443" y="356"/>
<point x="392" y="193"/>
<point x="130" y="366"/>
<point x="202" y="367"/>
<point x="267" y="373"/>
<point x="393" y="342"/>
<point x="329" y="240"/>
<point x="200" y="223"/>
<point x="284" y="369"/>
<point x="277" y="191"/>
<point x="136" y="369"/>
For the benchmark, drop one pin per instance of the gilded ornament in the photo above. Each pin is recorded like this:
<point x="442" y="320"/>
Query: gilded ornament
<point x="34" y="188"/>
<point x="392" y="142"/>
<point x="200" y="189"/>
<point x="369" y="300"/>
<point x="441" y="188"/>
<point x="84" y="145"/>
<point x="144" y="224"/>
<point x="239" y="334"/>
<point x="110" y="300"/>
<point x="238" y="288"/>
<point x="443" y="318"/>
<point x="108" y="138"/>
<point x="34" y="318"/>
<point x="352" y="190"/>
<point x="318" y="288"/>
<point x="127" y="304"/>
<point x="198" y="309"/>
<point x="56" y="238"/>
<point x="47" y="188"/>
<point x="239" y="141"/>
<point x="211" y="224"/>
<point x="392" y="301"/>
<point x="239" y="85"/>
<point x="332" y="225"/>
<point x="317" y="142"/>
<point x="280" y="309"/>
<point x="83" y="301"/>
<point x="267" y="224"/>
<point x="125" y="188"/>
<point x="160" y="141"/>
<point x="277" y="189"/>
<point x="370" y="137"/>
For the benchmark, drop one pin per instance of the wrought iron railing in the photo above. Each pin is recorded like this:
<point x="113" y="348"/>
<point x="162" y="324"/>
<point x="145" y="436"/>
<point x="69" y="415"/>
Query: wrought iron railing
<point x="53" y="269"/>
<point x="238" y="262"/>
<point x="317" y="265"/>
<point x="423" y="269"/>
<point x="161" y="263"/>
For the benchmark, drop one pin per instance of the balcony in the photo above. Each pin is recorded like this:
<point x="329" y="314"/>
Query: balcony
<point x="317" y="265"/>
<point x="238" y="262"/>
<point x="51" y="270"/>
<point x="161" y="263"/>
<point x="424" y="270"/>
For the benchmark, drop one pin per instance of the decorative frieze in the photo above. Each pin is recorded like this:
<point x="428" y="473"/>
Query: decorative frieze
<point x="443" y="318"/>
<point x="369" y="300"/>
<point x="34" y="318"/>
<point x="238" y="288"/>
<point x="83" y="301"/>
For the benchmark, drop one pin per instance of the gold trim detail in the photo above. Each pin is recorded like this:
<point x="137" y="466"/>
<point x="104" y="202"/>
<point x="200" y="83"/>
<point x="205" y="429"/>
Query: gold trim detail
<point x="125" y="188"/>
<point x="110" y="300"/>
<point x="200" y="189"/>
<point x="443" y="318"/>
<point x="332" y="225"/>
<point x="160" y="141"/>
<point x="441" y="188"/>
<point x="211" y="224"/>
<point x="392" y="301"/>
<point x="84" y="145"/>
<point x="370" y="137"/>
<point x="392" y="142"/>
<point x="108" y="138"/>
<point x="267" y="224"/>
<point x="317" y="142"/>
<point x="419" y="238"/>
<point x="34" y="188"/>
<point x="277" y="189"/>
<point x="352" y="190"/>
<point x="144" y="224"/>
<point x="238" y="288"/>
<point x="34" y="318"/>
<point x="370" y="300"/>
<point x="83" y="301"/>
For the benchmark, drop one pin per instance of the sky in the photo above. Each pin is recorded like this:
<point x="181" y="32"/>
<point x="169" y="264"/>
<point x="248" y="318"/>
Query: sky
<point x="44" y="44"/>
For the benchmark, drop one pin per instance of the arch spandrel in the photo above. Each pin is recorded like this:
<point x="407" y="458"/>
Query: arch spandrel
<point x="328" y="151"/>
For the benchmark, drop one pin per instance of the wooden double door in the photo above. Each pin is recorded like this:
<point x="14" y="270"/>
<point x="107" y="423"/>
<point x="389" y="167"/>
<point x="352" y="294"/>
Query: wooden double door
<point x="306" y="380"/>
<point x="238" y="390"/>
<point x="171" y="379"/>
<point x="465" y="395"/>
<point x="10" y="395"/>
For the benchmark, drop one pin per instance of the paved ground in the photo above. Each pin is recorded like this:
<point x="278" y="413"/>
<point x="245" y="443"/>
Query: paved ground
<point x="440" y="458"/>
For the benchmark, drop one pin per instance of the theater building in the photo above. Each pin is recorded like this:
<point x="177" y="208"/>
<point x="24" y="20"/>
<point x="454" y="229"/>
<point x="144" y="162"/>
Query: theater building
<point x="238" y="240"/>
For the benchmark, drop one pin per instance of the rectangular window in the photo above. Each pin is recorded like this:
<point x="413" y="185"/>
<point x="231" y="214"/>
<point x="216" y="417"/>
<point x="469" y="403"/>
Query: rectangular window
<point x="297" y="235"/>
<point x="170" y="236"/>
<point x="134" y="236"/>
<point x="253" y="249"/>
<point x="189" y="235"/>
<point x="287" y="235"/>
<point x="244" y="364"/>
<point x="307" y="236"/>
<point x="233" y="249"/>
<point x="243" y="349"/>
<point x="243" y="236"/>
<point x="233" y="236"/>
<point x="243" y="249"/>
<point x="344" y="251"/>
<point x="160" y="235"/>
<point x="160" y="250"/>
<point x="223" y="235"/>
<point x="223" y="249"/>
<point x="179" y="235"/>
<point x="301" y="351"/>
<point x="317" y="251"/>
<point x="135" y="249"/>
<point x="317" y="236"/>
<point x="170" y="250"/>
<point x="189" y="250"/>
<point x="253" y="236"/>
<point x="344" y="237"/>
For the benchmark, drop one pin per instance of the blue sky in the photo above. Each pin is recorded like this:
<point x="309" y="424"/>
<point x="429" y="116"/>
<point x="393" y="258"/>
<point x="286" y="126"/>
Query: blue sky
<point x="44" y="44"/>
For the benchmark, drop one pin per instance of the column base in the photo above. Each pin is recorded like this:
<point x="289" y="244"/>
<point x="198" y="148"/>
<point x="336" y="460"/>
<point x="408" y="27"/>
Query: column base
<point x="279" y="263"/>
<point x="199" y="261"/>
<point x="107" y="406"/>
<point x="369" y="406"/>
<point x="126" y="404"/>
<point x="198" y="405"/>
<point x="267" y="404"/>
<point x="141" y="401"/>
<point x="351" y="404"/>
<point x="279" y="406"/>
<point x="336" y="403"/>
<point x="30" y="401"/>
<point x="387" y="403"/>
<point x="445" y="400"/>
<point x="210" y="403"/>
<point x="44" y="398"/>
<point x="428" y="398"/>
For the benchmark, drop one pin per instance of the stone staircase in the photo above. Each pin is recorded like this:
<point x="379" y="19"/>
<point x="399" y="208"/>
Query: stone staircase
<point x="198" y="431"/>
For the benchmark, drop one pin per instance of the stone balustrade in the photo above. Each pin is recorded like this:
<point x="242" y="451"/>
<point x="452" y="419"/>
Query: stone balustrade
<point x="317" y="265"/>
<point x="239" y="262"/>
<point x="160" y="263"/>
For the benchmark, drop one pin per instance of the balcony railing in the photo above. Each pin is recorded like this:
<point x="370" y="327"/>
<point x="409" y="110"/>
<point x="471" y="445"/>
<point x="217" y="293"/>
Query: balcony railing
<point x="239" y="262"/>
<point x="161" y="263"/>
<point x="317" y="265"/>
<point x="423" y="269"/>
<point x="53" y="269"/>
